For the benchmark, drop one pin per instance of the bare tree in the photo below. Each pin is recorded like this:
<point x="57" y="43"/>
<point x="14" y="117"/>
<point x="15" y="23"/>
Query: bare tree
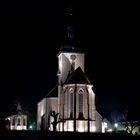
<point x="55" y="116"/>
<point x="56" y="119"/>
<point x="128" y="124"/>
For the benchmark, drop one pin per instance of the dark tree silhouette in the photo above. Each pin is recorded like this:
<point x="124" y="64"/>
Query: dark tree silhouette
<point x="56" y="119"/>
<point x="55" y="116"/>
<point x="131" y="125"/>
<point x="128" y="123"/>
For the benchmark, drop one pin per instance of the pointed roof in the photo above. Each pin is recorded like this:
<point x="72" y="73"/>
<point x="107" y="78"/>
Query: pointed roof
<point x="53" y="92"/>
<point x="77" y="77"/>
<point x="19" y="110"/>
<point x="19" y="107"/>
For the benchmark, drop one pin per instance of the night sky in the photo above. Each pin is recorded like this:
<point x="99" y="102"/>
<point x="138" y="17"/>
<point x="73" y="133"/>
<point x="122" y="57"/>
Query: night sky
<point x="32" y="34"/>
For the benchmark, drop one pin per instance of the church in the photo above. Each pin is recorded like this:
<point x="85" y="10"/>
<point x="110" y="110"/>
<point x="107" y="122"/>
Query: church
<point x="16" y="121"/>
<point x="70" y="105"/>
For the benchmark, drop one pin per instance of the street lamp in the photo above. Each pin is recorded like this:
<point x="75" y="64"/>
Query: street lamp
<point x="30" y="127"/>
<point x="116" y="125"/>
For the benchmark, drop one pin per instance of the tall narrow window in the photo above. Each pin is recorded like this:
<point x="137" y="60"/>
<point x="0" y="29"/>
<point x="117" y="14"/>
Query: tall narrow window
<point x="71" y="103"/>
<point x="13" y="121"/>
<point x="80" y="104"/>
<point x="18" y="121"/>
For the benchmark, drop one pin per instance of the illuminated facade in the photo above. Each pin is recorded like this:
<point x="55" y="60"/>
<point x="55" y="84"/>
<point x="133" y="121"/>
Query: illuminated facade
<point x="72" y="100"/>
<point x="17" y="121"/>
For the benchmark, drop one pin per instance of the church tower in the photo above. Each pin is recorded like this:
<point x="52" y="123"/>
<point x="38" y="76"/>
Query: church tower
<point x="69" y="57"/>
<point x="70" y="105"/>
<point x="76" y="99"/>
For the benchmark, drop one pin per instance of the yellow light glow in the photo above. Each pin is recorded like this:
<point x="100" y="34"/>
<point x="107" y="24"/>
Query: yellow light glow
<point x="80" y="129"/>
<point x="70" y="126"/>
<point x="19" y="128"/>
<point x="109" y="130"/>
<point x="81" y="126"/>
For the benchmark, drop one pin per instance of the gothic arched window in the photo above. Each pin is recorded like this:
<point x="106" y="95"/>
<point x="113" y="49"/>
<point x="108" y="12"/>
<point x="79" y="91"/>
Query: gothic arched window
<point x="71" y="103"/>
<point x="81" y="103"/>
<point x="18" y="121"/>
<point x="13" y="121"/>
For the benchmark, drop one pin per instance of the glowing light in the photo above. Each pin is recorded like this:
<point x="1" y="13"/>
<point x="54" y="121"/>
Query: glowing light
<point x="8" y="119"/>
<point x="30" y="127"/>
<point x="81" y="126"/>
<point x="60" y="65"/>
<point x="93" y="128"/>
<point x="60" y="127"/>
<point x="116" y="125"/>
<point x="70" y="126"/>
<point x="109" y="130"/>
<point x="42" y="112"/>
<point x="104" y="126"/>
<point x="19" y="128"/>
<point x="80" y="129"/>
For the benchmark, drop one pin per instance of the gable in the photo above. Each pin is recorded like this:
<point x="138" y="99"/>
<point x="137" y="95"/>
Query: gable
<point x="77" y="77"/>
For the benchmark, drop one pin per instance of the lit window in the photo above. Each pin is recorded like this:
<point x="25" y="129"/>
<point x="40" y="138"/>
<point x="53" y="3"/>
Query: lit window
<point x="13" y="121"/>
<point x="71" y="103"/>
<point x="18" y="121"/>
<point x="81" y="104"/>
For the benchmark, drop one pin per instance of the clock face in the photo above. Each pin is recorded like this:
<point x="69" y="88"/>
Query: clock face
<point x="73" y="57"/>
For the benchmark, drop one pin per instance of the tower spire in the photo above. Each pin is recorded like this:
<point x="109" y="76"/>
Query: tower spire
<point x="19" y="110"/>
<point x="69" y="25"/>
<point x="70" y="33"/>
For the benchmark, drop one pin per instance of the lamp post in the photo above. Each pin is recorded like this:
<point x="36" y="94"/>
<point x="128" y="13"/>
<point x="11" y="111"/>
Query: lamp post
<point x="115" y="126"/>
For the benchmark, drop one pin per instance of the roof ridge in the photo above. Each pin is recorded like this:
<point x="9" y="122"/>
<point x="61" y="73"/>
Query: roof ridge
<point x="51" y="91"/>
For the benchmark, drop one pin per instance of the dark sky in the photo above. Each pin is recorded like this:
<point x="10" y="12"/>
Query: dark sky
<point x="32" y="33"/>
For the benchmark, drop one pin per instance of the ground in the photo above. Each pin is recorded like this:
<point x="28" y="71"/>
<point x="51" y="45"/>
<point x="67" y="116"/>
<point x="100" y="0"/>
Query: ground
<point x="38" y="135"/>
